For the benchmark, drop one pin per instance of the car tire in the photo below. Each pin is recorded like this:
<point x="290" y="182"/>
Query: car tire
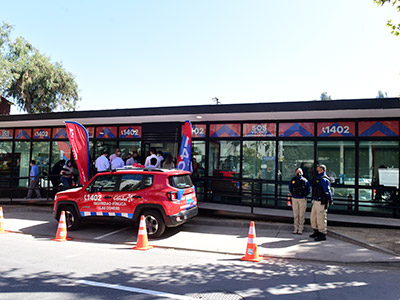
<point x="72" y="219"/>
<point x="155" y="225"/>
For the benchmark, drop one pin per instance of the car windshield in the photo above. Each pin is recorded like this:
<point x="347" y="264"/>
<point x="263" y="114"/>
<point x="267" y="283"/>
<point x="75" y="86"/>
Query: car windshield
<point x="180" y="181"/>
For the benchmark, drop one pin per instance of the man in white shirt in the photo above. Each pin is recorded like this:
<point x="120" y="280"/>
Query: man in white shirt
<point x="130" y="161"/>
<point x="148" y="158"/>
<point x="160" y="159"/>
<point x="113" y="156"/>
<point x="117" y="162"/>
<point x="102" y="163"/>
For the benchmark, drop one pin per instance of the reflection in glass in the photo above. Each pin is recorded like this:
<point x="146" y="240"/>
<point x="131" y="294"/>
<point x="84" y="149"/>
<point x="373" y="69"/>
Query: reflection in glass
<point x="21" y="162"/>
<point x="339" y="158"/>
<point x="259" y="159"/>
<point x="293" y="155"/>
<point x="129" y="147"/>
<point x="379" y="163"/>
<point x="224" y="160"/>
<point x="41" y="153"/>
<point x="5" y="165"/>
<point x="104" y="146"/>
<point x="198" y="161"/>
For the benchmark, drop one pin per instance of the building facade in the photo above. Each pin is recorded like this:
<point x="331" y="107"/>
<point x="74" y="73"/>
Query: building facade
<point x="243" y="154"/>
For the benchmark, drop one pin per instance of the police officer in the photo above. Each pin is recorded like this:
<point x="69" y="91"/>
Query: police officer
<point x="299" y="188"/>
<point x="322" y="198"/>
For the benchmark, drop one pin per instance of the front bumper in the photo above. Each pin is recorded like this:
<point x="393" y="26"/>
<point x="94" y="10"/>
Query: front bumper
<point x="182" y="217"/>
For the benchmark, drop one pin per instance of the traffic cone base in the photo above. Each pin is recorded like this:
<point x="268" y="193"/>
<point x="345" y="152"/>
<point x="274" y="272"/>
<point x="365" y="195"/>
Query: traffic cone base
<point x="1" y="222"/>
<point x="251" y="249"/>
<point x="61" y="235"/>
<point x="142" y="242"/>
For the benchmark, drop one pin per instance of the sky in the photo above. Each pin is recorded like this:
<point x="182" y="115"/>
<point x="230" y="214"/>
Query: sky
<point x="151" y="53"/>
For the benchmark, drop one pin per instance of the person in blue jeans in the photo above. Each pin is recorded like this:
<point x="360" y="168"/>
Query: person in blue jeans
<point x="33" y="180"/>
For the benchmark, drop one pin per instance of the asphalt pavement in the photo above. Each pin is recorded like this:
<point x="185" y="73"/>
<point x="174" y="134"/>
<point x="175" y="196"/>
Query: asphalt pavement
<point x="208" y="234"/>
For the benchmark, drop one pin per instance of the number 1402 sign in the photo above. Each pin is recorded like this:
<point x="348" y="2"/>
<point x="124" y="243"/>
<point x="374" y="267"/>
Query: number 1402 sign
<point x="335" y="129"/>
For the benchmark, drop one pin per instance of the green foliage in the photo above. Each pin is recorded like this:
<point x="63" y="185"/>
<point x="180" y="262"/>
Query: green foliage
<point x="382" y="95"/>
<point x="30" y="80"/>
<point x="394" y="27"/>
<point x="324" y="96"/>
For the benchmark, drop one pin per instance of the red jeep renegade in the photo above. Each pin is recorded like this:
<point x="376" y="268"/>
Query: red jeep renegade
<point x="166" y="198"/>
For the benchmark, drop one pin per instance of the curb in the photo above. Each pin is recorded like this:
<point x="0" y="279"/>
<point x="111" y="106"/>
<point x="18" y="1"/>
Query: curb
<point x="265" y="257"/>
<point x="354" y="241"/>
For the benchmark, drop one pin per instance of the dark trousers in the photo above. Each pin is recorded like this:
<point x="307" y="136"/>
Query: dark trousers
<point x="33" y="185"/>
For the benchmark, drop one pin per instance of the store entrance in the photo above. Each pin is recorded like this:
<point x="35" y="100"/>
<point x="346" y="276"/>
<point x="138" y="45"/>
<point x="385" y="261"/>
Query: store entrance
<point x="163" y="137"/>
<point x="167" y="148"/>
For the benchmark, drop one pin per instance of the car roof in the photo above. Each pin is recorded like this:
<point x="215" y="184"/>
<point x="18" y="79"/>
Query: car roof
<point x="149" y="170"/>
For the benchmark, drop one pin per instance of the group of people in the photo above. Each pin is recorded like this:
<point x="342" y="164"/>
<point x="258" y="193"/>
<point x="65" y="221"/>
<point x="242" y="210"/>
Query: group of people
<point x="156" y="159"/>
<point x="62" y="172"/>
<point x="299" y="187"/>
<point x="115" y="161"/>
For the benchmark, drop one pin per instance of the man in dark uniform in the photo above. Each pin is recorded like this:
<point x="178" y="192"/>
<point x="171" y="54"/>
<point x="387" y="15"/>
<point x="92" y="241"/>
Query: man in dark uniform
<point x="322" y="198"/>
<point x="299" y="188"/>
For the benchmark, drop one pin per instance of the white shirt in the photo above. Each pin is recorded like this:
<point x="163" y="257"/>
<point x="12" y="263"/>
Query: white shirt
<point x="102" y="164"/>
<point x="159" y="161"/>
<point x="148" y="161"/>
<point x="130" y="161"/>
<point x="117" y="163"/>
<point x="113" y="156"/>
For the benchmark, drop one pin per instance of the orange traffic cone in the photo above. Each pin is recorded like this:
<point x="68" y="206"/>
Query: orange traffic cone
<point x="289" y="202"/>
<point x="61" y="235"/>
<point x="251" y="250"/>
<point x="1" y="221"/>
<point x="142" y="242"/>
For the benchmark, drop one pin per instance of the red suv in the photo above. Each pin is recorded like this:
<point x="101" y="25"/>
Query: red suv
<point x="166" y="198"/>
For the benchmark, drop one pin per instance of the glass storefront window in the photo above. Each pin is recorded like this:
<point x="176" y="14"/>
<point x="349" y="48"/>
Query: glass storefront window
<point x="129" y="147"/>
<point x="41" y="154"/>
<point x="199" y="158"/>
<point x="5" y="165"/>
<point x="224" y="160"/>
<point x="343" y="199"/>
<point x="339" y="158"/>
<point x="293" y="155"/>
<point x="104" y="145"/>
<point x="259" y="159"/>
<point x="60" y="150"/>
<point x="379" y="163"/>
<point x="21" y="163"/>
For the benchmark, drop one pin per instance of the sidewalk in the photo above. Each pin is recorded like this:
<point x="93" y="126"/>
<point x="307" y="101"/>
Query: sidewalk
<point x="219" y="235"/>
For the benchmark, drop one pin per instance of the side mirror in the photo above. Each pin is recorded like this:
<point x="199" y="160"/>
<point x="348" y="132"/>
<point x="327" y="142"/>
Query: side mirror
<point x="89" y="189"/>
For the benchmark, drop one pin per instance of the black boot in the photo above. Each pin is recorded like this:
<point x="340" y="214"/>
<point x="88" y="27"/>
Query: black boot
<point x="315" y="234"/>
<point x="320" y="237"/>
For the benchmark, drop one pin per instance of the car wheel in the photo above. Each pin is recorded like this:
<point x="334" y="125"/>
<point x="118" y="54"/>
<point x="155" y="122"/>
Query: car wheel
<point x="155" y="225"/>
<point x="72" y="218"/>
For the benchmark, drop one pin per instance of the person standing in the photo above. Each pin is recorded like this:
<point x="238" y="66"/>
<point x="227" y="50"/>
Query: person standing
<point x="148" y="158"/>
<point x="67" y="173"/>
<point x="55" y="173"/>
<point x="102" y="163"/>
<point x="322" y="198"/>
<point x="299" y="188"/>
<point x="33" y="180"/>
<point x="114" y="155"/>
<point x="168" y="162"/>
<point x="160" y="158"/>
<point x="117" y="162"/>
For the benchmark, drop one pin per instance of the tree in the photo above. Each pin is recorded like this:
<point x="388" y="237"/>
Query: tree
<point x="5" y="69"/>
<point x="395" y="28"/>
<point x="381" y="95"/>
<point x="30" y="80"/>
<point x="324" y="96"/>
